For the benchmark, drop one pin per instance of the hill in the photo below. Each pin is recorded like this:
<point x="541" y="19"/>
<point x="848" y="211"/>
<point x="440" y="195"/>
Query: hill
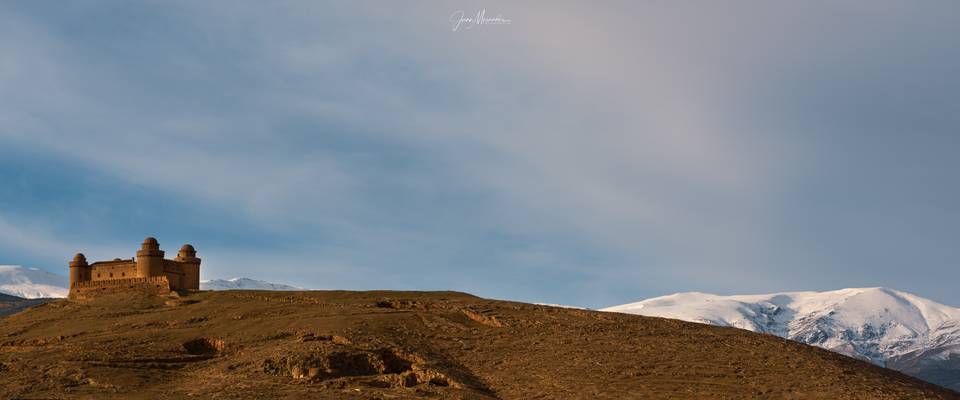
<point x="884" y="326"/>
<point x="377" y="345"/>
<point x="12" y="304"/>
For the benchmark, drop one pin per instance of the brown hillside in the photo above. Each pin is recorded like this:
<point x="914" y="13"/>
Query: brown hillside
<point x="386" y="345"/>
<point x="12" y="304"/>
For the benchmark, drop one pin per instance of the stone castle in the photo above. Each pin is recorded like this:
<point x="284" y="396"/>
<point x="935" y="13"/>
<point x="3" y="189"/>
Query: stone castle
<point x="148" y="271"/>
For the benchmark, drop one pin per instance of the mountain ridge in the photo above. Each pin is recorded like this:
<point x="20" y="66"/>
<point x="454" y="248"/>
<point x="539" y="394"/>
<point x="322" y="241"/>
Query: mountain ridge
<point x="241" y="283"/>
<point x="32" y="283"/>
<point x="885" y="326"/>
<point x="13" y="304"/>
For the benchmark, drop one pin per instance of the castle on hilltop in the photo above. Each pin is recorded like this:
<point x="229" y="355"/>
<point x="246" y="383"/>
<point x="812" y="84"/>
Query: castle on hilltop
<point x="148" y="271"/>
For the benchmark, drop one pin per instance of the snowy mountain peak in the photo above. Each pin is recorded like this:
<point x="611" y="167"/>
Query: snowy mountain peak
<point x="31" y="283"/>
<point x="848" y="308"/>
<point x="881" y="325"/>
<point x="243" y="284"/>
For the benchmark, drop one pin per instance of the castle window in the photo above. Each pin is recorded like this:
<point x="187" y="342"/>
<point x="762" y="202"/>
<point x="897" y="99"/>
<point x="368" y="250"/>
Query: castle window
<point x="123" y="274"/>
<point x="111" y="274"/>
<point x="98" y="275"/>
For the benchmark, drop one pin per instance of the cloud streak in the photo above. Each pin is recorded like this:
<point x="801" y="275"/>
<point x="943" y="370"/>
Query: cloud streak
<point x="590" y="155"/>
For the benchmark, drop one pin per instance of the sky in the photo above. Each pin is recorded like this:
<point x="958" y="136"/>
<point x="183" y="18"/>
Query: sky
<point x="580" y="155"/>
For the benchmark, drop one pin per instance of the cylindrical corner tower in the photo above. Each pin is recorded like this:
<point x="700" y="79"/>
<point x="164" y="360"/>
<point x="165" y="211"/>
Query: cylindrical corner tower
<point x="78" y="269"/>
<point x="190" y="265"/>
<point x="149" y="259"/>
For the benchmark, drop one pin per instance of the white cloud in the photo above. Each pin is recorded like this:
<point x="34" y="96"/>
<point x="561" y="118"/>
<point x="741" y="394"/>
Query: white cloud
<point x="644" y="136"/>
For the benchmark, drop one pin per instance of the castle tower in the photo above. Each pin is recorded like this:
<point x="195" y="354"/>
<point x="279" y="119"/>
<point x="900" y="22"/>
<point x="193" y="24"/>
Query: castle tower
<point x="190" y="267"/>
<point x="149" y="259"/>
<point x="79" y="270"/>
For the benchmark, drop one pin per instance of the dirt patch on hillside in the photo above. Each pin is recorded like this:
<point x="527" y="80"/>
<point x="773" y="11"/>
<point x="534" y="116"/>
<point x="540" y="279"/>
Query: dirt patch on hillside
<point x="205" y="346"/>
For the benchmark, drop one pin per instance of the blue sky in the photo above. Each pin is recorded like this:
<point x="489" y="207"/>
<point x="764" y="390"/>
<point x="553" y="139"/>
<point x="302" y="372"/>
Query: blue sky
<point x="579" y="155"/>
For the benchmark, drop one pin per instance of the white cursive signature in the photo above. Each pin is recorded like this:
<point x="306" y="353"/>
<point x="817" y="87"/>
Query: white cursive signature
<point x="459" y="20"/>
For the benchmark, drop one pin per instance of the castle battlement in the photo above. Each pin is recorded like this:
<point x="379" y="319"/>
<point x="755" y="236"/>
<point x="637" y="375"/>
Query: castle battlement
<point x="148" y="271"/>
<point x="159" y="280"/>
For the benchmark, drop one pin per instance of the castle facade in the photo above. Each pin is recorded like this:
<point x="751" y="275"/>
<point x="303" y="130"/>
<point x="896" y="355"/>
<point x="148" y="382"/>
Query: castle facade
<point x="148" y="271"/>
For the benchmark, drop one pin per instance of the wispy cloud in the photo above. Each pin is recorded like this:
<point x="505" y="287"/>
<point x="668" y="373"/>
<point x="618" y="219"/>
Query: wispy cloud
<point x="28" y="240"/>
<point x="644" y="148"/>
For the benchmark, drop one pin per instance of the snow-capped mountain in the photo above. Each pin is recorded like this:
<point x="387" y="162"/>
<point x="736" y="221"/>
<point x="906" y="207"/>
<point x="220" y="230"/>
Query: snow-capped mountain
<point x="243" y="284"/>
<point x="884" y="326"/>
<point x="32" y="283"/>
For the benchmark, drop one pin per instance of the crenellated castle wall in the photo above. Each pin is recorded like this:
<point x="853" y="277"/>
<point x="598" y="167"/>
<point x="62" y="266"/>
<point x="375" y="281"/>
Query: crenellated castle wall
<point x="153" y="285"/>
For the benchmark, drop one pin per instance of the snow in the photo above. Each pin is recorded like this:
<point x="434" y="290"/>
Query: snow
<point x="875" y="324"/>
<point x="32" y="283"/>
<point x="243" y="284"/>
<point x="561" y="306"/>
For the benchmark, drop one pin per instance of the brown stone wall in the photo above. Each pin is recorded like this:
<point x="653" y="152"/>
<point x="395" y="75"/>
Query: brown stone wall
<point x="112" y="270"/>
<point x="152" y="285"/>
<point x="191" y="276"/>
<point x="174" y="278"/>
<point x="183" y="275"/>
<point x="150" y="260"/>
<point x="77" y="275"/>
